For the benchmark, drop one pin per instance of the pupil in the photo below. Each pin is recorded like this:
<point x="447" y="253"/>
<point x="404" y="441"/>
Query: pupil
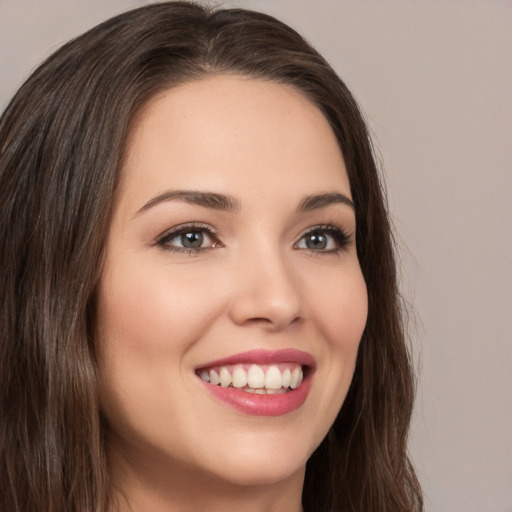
<point x="316" y="241"/>
<point x="192" y="239"/>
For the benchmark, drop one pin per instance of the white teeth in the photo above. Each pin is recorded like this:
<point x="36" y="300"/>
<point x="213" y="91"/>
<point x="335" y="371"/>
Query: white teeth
<point x="263" y="391"/>
<point x="225" y="378"/>
<point x="239" y="377"/>
<point x="255" y="380"/>
<point x="294" y="380"/>
<point x="273" y="379"/>
<point x="255" y="377"/>
<point x="287" y="375"/>
<point x="214" y="377"/>
<point x="259" y="391"/>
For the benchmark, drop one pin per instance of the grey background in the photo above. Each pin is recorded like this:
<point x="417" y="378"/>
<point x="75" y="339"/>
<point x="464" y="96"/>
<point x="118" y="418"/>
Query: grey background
<point x="434" y="79"/>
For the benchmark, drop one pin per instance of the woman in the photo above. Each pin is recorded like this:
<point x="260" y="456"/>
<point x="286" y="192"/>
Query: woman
<point x="199" y="301"/>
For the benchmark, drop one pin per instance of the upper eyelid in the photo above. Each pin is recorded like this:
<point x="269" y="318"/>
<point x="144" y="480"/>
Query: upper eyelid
<point x="192" y="226"/>
<point x="346" y="237"/>
<point x="326" y="227"/>
<point x="163" y="240"/>
<point x="200" y="226"/>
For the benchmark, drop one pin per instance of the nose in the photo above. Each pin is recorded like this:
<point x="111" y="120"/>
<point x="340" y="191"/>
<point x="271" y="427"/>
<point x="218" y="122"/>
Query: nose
<point x="266" y="293"/>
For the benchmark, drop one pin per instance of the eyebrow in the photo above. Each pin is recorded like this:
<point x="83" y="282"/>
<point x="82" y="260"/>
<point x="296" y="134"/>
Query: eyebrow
<point x="318" y="201"/>
<point x="229" y="203"/>
<point x="205" y="199"/>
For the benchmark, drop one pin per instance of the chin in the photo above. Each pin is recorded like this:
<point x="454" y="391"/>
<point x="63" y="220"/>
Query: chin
<point x="262" y="460"/>
<point x="250" y="473"/>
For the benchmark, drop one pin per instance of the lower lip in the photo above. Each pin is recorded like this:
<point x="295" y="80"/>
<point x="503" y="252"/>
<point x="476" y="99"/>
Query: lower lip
<point x="262" y="405"/>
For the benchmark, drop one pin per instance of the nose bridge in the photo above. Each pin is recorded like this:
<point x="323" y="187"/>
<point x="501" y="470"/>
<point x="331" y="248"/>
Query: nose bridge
<point x="267" y="289"/>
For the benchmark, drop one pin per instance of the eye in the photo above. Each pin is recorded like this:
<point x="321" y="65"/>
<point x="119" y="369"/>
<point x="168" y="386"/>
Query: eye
<point x="328" y="239"/>
<point x="188" y="238"/>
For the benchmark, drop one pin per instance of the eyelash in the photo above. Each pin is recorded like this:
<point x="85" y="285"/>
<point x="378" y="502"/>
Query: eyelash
<point x="341" y="238"/>
<point x="183" y="229"/>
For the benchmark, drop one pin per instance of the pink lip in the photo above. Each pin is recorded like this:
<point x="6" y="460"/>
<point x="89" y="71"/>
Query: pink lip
<point x="287" y="355"/>
<point x="264" y="405"/>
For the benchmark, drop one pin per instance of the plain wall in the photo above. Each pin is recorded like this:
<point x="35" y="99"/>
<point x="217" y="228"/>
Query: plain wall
<point x="434" y="79"/>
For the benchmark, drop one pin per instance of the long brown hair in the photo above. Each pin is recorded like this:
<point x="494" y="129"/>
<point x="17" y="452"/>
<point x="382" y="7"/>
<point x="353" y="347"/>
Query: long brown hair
<point x="62" y="140"/>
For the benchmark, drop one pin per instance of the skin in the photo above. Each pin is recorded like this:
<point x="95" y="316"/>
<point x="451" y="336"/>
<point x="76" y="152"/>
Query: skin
<point x="254" y="285"/>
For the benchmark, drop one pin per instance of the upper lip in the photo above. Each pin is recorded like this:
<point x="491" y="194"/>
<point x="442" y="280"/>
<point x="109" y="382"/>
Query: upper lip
<point x="287" y="355"/>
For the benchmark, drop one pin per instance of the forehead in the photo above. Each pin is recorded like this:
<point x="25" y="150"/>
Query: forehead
<point x="232" y="131"/>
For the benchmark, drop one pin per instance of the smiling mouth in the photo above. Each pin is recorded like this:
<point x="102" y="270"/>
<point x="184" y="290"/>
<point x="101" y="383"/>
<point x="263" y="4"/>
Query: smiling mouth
<point x="260" y="382"/>
<point x="262" y="379"/>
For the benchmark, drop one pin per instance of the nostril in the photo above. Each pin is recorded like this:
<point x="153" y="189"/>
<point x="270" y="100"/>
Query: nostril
<point x="272" y="323"/>
<point x="269" y="301"/>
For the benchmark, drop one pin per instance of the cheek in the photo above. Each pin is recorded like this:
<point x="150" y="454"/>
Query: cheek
<point x="341" y="311"/>
<point x="147" y="323"/>
<point x="152" y="312"/>
<point x="350" y="315"/>
<point x="340" y="303"/>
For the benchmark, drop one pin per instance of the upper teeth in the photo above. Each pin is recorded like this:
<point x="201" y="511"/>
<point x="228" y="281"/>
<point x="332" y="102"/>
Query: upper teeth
<point x="255" y="377"/>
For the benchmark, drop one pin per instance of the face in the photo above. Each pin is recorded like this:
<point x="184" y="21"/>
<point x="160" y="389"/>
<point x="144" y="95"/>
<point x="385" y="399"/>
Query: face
<point x="231" y="303"/>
